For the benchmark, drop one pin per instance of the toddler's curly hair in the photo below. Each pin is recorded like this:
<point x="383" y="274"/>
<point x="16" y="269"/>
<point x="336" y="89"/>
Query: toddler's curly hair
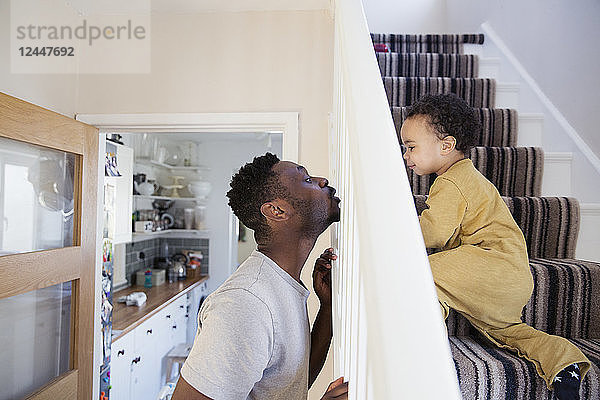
<point x="449" y="115"/>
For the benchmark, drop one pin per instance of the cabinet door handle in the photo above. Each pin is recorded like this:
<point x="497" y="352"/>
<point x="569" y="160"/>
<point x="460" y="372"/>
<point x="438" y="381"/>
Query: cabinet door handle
<point x="174" y="326"/>
<point x="169" y="316"/>
<point x="186" y="315"/>
<point x="136" y="360"/>
<point x="181" y="306"/>
<point x="121" y="353"/>
<point x="149" y="332"/>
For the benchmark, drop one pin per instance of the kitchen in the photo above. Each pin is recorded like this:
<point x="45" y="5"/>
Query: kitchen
<point x="181" y="221"/>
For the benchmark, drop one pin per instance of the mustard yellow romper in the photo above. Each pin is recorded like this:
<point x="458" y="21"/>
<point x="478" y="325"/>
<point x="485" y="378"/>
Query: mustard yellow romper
<point x="482" y="270"/>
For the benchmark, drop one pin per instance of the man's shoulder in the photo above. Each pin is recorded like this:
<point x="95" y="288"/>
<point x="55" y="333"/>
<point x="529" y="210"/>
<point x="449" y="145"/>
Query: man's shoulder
<point x="253" y="277"/>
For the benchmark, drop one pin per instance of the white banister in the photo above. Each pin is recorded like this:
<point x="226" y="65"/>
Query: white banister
<point x="389" y="337"/>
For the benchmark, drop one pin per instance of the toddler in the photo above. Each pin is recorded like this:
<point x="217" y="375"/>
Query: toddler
<point x="482" y="268"/>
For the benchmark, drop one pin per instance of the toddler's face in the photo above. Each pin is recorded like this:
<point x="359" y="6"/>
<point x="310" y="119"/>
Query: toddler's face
<point x="423" y="147"/>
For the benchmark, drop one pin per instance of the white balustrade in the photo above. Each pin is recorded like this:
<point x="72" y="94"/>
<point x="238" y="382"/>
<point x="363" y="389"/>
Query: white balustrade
<point x="389" y="337"/>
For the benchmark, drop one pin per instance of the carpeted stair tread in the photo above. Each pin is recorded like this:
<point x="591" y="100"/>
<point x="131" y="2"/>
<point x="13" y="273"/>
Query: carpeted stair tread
<point x="515" y="171"/>
<point x="431" y="43"/>
<point x="478" y="92"/>
<point x="431" y="65"/>
<point x="549" y="224"/>
<point x="487" y="372"/>
<point x="499" y="126"/>
<point x="565" y="298"/>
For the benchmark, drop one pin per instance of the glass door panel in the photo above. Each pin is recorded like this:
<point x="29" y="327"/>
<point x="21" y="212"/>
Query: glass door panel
<point x="36" y="197"/>
<point x="34" y="339"/>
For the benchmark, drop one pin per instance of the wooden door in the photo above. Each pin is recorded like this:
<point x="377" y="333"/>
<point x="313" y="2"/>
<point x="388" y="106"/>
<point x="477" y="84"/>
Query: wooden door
<point x="31" y="266"/>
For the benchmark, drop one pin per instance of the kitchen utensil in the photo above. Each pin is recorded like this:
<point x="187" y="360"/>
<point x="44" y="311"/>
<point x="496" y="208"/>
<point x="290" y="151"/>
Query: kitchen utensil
<point x="167" y="219"/>
<point x="145" y="188"/>
<point x="179" y="266"/>
<point x="137" y="179"/>
<point x="199" y="217"/>
<point x="188" y="218"/>
<point x="162" y="205"/>
<point x="199" y="189"/>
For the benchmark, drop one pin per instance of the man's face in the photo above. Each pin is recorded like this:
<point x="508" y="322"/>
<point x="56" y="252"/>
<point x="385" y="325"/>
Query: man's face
<point x="311" y="197"/>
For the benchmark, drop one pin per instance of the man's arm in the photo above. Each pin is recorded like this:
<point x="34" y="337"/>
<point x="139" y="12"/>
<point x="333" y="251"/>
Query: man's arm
<point x="322" y="331"/>
<point x="320" y="340"/>
<point x="185" y="391"/>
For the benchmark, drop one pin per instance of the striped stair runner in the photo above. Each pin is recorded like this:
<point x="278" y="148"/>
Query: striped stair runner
<point x="487" y="372"/>
<point x="477" y="92"/>
<point x="430" y="65"/>
<point x="426" y="43"/>
<point x="515" y="171"/>
<point x="566" y="294"/>
<point x="499" y="126"/>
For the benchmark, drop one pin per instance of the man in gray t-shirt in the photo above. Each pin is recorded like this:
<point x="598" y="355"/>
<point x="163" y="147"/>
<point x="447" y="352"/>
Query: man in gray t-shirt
<point x="254" y="339"/>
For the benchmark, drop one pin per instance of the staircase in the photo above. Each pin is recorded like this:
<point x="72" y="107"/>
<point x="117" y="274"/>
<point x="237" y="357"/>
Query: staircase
<point x="566" y="297"/>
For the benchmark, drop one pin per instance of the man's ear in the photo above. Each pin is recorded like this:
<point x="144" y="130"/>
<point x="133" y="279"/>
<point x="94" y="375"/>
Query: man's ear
<point x="448" y="144"/>
<point x="275" y="210"/>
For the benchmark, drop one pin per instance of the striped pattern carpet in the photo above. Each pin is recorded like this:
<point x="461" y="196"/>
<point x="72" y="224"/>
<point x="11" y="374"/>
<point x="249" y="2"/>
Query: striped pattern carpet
<point x="486" y="372"/>
<point x="549" y="224"/>
<point x="431" y="65"/>
<point x="426" y="43"/>
<point x="477" y="92"/>
<point x="499" y="126"/>
<point x="564" y="297"/>
<point x="515" y="171"/>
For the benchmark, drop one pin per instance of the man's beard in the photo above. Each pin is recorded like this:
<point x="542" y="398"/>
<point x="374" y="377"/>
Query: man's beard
<point x="315" y="218"/>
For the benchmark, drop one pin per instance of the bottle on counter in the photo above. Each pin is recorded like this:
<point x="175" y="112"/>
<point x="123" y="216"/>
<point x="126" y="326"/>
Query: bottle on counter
<point x="148" y="279"/>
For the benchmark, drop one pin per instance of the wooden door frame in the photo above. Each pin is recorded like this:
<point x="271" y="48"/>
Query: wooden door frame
<point x="25" y="122"/>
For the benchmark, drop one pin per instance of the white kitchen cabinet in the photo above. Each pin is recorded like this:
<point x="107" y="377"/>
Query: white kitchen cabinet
<point x="139" y="372"/>
<point x="121" y="356"/>
<point x="146" y="369"/>
<point x="195" y="296"/>
<point x="123" y="188"/>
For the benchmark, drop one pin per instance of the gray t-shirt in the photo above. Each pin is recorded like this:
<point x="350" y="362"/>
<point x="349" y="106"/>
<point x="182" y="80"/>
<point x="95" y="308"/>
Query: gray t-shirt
<point x="253" y="339"/>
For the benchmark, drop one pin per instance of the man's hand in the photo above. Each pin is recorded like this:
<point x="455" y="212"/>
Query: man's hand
<point x="322" y="276"/>
<point x="336" y="390"/>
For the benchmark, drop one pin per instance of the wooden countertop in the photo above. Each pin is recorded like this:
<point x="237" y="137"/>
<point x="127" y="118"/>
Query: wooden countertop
<point x="126" y="318"/>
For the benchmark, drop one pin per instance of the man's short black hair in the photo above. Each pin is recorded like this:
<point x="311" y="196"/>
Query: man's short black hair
<point x="255" y="184"/>
<point x="449" y="115"/>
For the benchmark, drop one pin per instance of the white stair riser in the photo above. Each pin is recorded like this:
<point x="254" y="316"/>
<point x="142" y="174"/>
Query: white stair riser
<point x="531" y="130"/>
<point x="557" y="174"/>
<point x="507" y="95"/>
<point x="489" y="68"/>
<point x="588" y="241"/>
<point x="470" y="48"/>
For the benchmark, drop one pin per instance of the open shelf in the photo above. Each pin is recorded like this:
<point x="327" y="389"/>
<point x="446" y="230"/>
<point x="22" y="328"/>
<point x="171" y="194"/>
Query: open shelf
<point x="176" y="233"/>
<point x="194" y="199"/>
<point x="172" y="168"/>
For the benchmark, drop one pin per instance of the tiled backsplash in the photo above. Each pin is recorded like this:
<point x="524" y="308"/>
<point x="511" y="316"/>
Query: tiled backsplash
<point x="151" y="249"/>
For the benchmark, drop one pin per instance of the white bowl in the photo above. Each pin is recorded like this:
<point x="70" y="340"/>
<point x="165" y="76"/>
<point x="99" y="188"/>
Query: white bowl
<point x="199" y="188"/>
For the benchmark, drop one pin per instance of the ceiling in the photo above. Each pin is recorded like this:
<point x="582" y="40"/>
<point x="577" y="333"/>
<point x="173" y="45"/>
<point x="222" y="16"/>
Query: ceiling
<point x="196" y="6"/>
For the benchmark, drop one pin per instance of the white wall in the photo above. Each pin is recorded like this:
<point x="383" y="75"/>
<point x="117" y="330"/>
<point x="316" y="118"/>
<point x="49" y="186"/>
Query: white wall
<point x="213" y="62"/>
<point x="556" y="41"/>
<point x="224" y="158"/>
<point x="406" y="16"/>
<point x="57" y="92"/>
